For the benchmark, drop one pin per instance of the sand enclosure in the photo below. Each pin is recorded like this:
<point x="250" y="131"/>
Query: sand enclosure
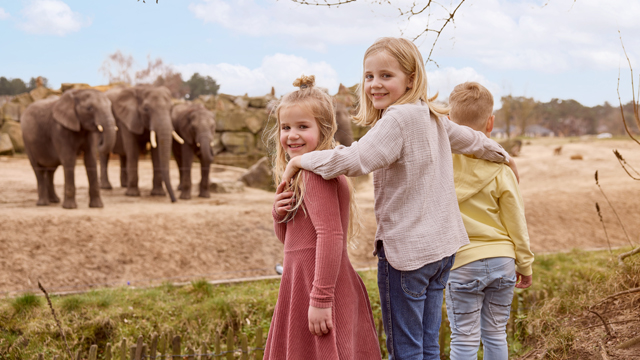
<point x="148" y="239"/>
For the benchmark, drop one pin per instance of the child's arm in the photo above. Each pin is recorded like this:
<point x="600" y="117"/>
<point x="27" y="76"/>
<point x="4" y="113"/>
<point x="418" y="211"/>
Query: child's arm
<point x="281" y="204"/>
<point x="465" y="140"/>
<point x="378" y="148"/>
<point x="514" y="221"/>
<point x="323" y="208"/>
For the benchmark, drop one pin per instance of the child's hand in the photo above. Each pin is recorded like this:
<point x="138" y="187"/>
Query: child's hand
<point x="283" y="200"/>
<point x="320" y="320"/>
<point x="512" y="165"/>
<point x="523" y="282"/>
<point x="292" y="168"/>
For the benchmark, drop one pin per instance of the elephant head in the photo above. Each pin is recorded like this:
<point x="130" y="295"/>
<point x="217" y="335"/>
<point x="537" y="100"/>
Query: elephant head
<point x="146" y="107"/>
<point x="196" y="125"/>
<point x="88" y="110"/>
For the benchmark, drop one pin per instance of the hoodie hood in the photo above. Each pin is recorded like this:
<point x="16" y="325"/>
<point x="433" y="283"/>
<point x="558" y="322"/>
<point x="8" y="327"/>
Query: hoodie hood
<point x="471" y="175"/>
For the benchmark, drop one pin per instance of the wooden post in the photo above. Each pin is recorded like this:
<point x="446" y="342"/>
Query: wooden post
<point x="123" y="349"/>
<point x="40" y="356"/>
<point x="139" y="348"/>
<point x="175" y="346"/>
<point x="162" y="345"/>
<point x="107" y="352"/>
<point x="93" y="352"/>
<point x="204" y="349"/>
<point x="79" y="354"/>
<point x="132" y="352"/>
<point x="144" y="351"/>
<point x="259" y="344"/>
<point x="190" y="353"/>
<point x="230" y="344"/>
<point x="154" y="346"/>
<point x="245" y="348"/>
<point x="217" y="350"/>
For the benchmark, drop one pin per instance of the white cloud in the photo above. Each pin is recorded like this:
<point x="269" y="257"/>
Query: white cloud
<point x="3" y="14"/>
<point x="51" y="17"/>
<point x="278" y="70"/>
<point x="445" y="79"/>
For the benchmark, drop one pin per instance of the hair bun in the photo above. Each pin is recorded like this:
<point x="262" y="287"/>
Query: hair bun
<point x="304" y="82"/>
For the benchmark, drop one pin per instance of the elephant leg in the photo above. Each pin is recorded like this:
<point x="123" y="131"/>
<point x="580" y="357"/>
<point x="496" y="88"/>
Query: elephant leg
<point x="41" y="177"/>
<point x="177" y="154"/>
<point x="185" y="171"/>
<point x="123" y="171"/>
<point x="157" y="189"/>
<point x="91" y="166"/>
<point x="53" y="198"/>
<point x="104" y="174"/>
<point x="68" y="165"/>
<point x="132" y="152"/>
<point x="205" y="169"/>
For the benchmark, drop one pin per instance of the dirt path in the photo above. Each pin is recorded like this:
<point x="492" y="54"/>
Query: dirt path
<point x="134" y="239"/>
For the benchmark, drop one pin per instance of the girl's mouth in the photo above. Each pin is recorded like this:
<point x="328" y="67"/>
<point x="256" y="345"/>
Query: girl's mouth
<point x="296" y="146"/>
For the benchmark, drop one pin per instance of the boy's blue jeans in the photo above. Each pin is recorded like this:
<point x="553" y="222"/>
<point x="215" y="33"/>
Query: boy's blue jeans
<point x="411" y="303"/>
<point x="479" y="296"/>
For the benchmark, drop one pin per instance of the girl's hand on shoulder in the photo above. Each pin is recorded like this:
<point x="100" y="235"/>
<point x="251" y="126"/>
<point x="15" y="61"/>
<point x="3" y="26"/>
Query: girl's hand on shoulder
<point x="293" y="167"/>
<point x="283" y="200"/>
<point x="320" y="320"/>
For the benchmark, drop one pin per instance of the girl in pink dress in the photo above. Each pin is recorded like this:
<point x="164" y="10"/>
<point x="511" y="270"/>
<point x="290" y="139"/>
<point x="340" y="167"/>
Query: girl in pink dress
<point x="323" y="309"/>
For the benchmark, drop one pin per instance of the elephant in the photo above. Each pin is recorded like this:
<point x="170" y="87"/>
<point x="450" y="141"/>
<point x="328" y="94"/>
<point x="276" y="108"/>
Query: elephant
<point x="56" y="130"/>
<point x="196" y="125"/>
<point x="344" y="134"/>
<point x="143" y="114"/>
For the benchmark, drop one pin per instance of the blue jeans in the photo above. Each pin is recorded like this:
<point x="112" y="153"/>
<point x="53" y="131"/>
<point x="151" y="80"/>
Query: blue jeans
<point x="411" y="303"/>
<point x="479" y="296"/>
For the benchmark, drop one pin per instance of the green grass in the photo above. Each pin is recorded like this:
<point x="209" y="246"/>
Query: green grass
<point x="564" y="284"/>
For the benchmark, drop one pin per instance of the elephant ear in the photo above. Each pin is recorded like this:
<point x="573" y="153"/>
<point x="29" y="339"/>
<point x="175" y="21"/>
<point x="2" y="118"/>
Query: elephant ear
<point x="125" y="108"/>
<point x="184" y="125"/>
<point x="64" y="111"/>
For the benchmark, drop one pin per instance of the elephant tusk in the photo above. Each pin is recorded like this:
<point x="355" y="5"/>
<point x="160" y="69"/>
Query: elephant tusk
<point x="212" y="144"/>
<point x="154" y="143"/>
<point x="177" y="137"/>
<point x="198" y="144"/>
<point x="116" y="128"/>
<point x="100" y="128"/>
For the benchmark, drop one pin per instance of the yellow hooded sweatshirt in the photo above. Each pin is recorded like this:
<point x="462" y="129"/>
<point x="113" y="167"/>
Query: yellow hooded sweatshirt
<point x="492" y="212"/>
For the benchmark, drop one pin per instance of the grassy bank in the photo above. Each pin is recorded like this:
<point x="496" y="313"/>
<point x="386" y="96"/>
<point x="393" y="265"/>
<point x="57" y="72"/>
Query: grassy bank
<point x="552" y="316"/>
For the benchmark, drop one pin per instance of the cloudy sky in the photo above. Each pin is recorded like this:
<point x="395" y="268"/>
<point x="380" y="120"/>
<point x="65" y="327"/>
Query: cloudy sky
<point x="537" y="48"/>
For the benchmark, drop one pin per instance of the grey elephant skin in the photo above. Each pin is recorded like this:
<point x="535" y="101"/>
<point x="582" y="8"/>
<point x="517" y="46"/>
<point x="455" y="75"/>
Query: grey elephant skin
<point x="57" y="130"/>
<point x="196" y="126"/>
<point x="143" y="114"/>
<point x="344" y="134"/>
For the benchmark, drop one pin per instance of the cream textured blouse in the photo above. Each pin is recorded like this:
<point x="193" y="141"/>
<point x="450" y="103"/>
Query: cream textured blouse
<point x="409" y="153"/>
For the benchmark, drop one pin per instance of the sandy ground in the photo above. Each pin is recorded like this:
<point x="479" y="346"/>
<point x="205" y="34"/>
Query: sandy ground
<point x="148" y="239"/>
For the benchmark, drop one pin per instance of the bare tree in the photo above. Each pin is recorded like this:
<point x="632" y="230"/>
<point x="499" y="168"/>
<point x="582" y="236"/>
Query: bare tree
<point x="425" y="9"/>
<point x="118" y="68"/>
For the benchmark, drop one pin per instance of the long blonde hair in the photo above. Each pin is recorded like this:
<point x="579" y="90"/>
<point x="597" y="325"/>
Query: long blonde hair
<point x="320" y="105"/>
<point x="411" y="63"/>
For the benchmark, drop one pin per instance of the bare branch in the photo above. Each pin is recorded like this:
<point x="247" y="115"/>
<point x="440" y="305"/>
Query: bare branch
<point x="630" y="291"/>
<point x="53" y="312"/>
<point x="634" y="102"/>
<point x="625" y="165"/>
<point x="604" y="227"/>
<point x="614" y="211"/>
<point x="623" y="256"/>
<point x="323" y="3"/>
<point x="606" y="325"/>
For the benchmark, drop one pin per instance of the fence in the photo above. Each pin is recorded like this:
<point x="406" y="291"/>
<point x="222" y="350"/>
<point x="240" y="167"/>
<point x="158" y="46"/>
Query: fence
<point x="232" y="346"/>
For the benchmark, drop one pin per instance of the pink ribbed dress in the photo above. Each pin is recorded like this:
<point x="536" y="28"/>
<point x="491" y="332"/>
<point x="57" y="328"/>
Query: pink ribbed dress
<point x="317" y="272"/>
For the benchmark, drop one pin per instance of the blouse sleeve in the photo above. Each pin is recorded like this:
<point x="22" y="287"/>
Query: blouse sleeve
<point x="322" y="204"/>
<point x="465" y="140"/>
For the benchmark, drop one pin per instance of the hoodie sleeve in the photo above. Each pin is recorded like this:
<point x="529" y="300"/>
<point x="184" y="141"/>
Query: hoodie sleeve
<point x="512" y="216"/>
<point x="465" y="140"/>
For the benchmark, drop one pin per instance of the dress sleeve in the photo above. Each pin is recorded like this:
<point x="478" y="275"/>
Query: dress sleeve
<point x="465" y="140"/>
<point x="378" y="148"/>
<point x="278" y="227"/>
<point x="323" y="208"/>
<point x="514" y="221"/>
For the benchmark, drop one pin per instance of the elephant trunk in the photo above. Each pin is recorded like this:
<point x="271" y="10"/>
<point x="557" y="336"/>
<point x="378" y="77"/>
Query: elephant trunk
<point x="164" y="153"/>
<point x="206" y="149"/>
<point x="107" y="126"/>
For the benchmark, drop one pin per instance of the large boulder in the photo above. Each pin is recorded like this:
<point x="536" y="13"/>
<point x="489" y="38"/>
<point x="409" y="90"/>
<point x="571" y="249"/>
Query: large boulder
<point x="23" y="99"/>
<point x="221" y="186"/>
<point x="6" y="146"/>
<point x="218" y="147"/>
<point x="71" y="86"/>
<point x="238" y="143"/>
<point x="41" y="93"/>
<point x="11" y="111"/>
<point x="260" y="175"/>
<point x="12" y="128"/>
<point x="232" y="120"/>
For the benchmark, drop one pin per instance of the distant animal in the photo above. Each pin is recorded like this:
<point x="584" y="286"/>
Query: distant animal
<point x="196" y="126"/>
<point x="344" y="134"/>
<point x="558" y="150"/>
<point x="57" y="130"/>
<point x="576" y="157"/>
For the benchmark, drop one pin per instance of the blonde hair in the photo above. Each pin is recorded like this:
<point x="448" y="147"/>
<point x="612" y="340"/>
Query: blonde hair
<point x="411" y="63"/>
<point x="320" y="105"/>
<point x="471" y="105"/>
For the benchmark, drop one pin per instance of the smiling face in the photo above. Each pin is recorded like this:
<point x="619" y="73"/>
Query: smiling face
<point x="299" y="131"/>
<point x="384" y="80"/>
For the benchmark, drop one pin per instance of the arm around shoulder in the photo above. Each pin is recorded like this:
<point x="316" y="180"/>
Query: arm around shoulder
<point x="465" y="140"/>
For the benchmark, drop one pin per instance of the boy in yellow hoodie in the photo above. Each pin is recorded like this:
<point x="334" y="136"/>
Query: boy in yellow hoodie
<point x="498" y="257"/>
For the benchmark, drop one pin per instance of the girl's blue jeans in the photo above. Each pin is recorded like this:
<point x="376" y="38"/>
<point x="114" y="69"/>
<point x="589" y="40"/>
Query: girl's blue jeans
<point x="479" y="296"/>
<point x="411" y="303"/>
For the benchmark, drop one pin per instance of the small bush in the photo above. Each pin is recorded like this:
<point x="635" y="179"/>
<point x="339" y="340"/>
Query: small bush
<point x="25" y="303"/>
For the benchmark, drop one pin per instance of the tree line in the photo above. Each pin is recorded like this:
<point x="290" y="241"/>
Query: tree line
<point x="17" y="86"/>
<point x="563" y="117"/>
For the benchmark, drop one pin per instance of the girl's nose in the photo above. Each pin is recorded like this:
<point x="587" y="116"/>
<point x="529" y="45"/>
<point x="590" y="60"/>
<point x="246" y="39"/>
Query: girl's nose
<point x="293" y="135"/>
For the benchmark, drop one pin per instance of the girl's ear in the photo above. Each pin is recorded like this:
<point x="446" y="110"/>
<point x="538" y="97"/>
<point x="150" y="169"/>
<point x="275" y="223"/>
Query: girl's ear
<point x="410" y="81"/>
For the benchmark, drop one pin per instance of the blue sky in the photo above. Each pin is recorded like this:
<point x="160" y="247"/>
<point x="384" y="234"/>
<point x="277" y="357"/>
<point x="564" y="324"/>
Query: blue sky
<point x="525" y="48"/>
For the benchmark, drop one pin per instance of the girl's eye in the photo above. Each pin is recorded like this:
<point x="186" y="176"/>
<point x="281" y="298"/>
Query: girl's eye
<point x="369" y="76"/>
<point x="285" y="128"/>
<point x="303" y="126"/>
